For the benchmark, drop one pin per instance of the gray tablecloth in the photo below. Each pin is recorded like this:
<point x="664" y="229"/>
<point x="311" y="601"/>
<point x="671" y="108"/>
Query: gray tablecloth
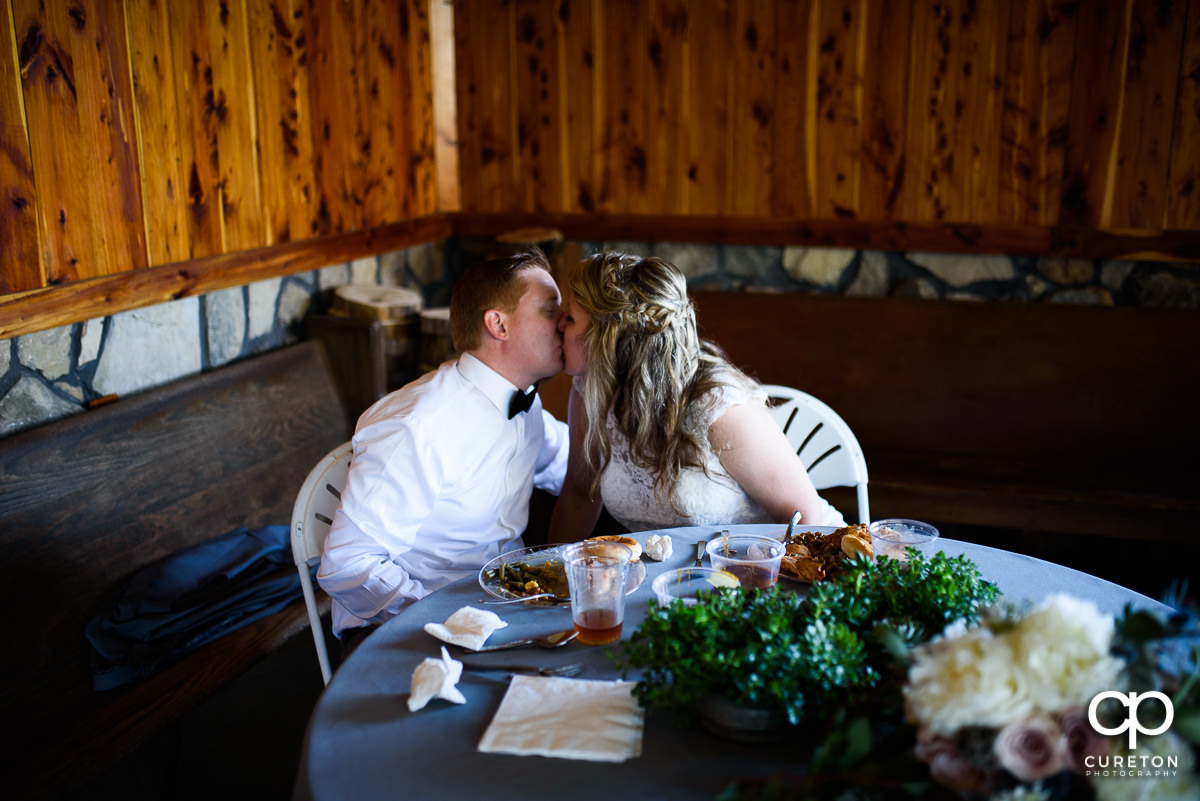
<point x="364" y="744"/>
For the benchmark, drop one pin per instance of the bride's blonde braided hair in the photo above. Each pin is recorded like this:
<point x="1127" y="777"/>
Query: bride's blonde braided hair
<point x="646" y="362"/>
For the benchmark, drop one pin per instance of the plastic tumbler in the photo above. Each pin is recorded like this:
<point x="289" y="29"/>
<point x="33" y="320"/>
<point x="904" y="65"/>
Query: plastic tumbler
<point x="596" y="574"/>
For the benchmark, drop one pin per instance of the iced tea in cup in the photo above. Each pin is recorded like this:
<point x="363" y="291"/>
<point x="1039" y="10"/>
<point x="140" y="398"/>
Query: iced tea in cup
<point x="753" y="558"/>
<point x="597" y="573"/>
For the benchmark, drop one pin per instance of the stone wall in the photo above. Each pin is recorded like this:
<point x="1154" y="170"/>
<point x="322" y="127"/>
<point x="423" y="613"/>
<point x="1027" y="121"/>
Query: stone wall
<point x="51" y="374"/>
<point x="933" y="276"/>
<point x="62" y="371"/>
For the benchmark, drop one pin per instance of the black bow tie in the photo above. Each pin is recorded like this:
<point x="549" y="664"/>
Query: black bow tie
<point x="521" y="401"/>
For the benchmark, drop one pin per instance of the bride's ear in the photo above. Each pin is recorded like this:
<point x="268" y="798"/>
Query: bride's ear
<point x="495" y="324"/>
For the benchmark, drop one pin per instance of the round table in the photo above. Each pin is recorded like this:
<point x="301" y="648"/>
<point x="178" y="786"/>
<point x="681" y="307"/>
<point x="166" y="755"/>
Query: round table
<point x="364" y="743"/>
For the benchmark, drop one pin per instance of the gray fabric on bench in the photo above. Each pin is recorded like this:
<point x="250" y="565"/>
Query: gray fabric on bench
<point x="87" y="501"/>
<point x="170" y="608"/>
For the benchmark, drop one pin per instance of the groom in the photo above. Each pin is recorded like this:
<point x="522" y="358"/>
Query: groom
<point x="444" y="467"/>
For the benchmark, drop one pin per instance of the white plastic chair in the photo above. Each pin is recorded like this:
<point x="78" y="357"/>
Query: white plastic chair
<point x="823" y="441"/>
<point x="312" y="516"/>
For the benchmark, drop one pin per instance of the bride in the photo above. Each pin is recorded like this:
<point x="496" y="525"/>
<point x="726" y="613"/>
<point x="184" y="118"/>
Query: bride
<point x="665" y="432"/>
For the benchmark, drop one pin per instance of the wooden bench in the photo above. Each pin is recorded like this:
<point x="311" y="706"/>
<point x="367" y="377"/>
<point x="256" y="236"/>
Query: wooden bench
<point x="86" y="501"/>
<point x="1046" y="418"/>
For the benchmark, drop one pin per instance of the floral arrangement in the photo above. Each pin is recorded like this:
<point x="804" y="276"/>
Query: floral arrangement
<point x="1005" y="707"/>
<point x="1006" y="703"/>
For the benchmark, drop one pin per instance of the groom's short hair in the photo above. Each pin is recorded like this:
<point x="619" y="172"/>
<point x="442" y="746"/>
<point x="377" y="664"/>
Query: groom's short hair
<point x="490" y="284"/>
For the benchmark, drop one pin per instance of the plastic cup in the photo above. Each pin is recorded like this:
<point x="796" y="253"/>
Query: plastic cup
<point x="691" y="584"/>
<point x="752" y="558"/>
<point x="596" y="575"/>
<point x="893" y="538"/>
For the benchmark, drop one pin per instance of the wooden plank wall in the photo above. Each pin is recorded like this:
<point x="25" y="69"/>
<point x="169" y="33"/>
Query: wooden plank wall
<point x="141" y="133"/>
<point x="1025" y="113"/>
<point x="150" y="150"/>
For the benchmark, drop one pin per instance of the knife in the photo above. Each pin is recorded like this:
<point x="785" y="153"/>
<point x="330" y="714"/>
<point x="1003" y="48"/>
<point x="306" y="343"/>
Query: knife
<point x="700" y="551"/>
<point x="566" y="671"/>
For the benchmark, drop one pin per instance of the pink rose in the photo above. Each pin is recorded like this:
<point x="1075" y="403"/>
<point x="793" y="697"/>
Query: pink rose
<point x="949" y="768"/>
<point x="929" y="745"/>
<point x="1031" y="749"/>
<point x="1082" y="740"/>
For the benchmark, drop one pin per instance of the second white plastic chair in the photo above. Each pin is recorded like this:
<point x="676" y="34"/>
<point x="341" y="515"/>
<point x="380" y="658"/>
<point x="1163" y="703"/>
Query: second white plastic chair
<point x="312" y="516"/>
<point x="824" y="443"/>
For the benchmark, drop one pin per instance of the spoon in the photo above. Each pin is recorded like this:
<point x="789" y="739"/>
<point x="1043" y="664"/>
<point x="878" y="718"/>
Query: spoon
<point x="555" y="640"/>
<point x="525" y="598"/>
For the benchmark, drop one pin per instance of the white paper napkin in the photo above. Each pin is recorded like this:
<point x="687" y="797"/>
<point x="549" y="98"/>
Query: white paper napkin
<point x="599" y="721"/>
<point x="658" y="547"/>
<point x="468" y="627"/>
<point x="435" y="678"/>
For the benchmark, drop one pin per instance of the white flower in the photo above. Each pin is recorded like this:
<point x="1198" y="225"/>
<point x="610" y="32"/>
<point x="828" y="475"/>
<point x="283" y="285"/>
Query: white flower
<point x="1064" y="646"/>
<point x="1001" y="671"/>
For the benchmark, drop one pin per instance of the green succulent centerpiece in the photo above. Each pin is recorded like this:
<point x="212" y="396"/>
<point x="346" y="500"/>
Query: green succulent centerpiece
<point x="806" y="658"/>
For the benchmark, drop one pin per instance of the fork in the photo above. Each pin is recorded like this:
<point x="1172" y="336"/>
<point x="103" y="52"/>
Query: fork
<point x="525" y="598"/>
<point x="791" y="529"/>
<point x="565" y="671"/>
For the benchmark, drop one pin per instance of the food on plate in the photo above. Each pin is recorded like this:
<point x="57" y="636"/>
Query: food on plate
<point x="813" y="556"/>
<point x="521" y="578"/>
<point x="633" y="544"/>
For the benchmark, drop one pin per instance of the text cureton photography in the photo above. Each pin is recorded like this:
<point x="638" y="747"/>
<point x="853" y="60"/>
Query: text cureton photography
<point x="1146" y="765"/>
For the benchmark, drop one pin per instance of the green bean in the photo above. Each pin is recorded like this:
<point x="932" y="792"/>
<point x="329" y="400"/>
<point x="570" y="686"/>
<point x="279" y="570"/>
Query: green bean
<point x="520" y="578"/>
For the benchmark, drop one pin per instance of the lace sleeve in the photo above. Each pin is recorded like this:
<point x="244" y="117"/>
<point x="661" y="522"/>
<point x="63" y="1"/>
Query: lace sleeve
<point x="730" y="393"/>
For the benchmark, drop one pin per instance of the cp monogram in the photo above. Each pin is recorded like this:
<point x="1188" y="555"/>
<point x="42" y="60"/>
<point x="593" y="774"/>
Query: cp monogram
<point x="1131" y="700"/>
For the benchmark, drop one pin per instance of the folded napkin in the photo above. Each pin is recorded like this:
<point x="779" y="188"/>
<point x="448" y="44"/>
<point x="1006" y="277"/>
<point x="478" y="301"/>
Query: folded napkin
<point x="599" y="721"/>
<point x="468" y="627"/>
<point x="658" y="546"/>
<point x="436" y="678"/>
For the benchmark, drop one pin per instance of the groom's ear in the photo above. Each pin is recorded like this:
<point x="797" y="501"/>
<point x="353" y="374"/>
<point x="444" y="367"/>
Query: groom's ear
<point x="495" y="324"/>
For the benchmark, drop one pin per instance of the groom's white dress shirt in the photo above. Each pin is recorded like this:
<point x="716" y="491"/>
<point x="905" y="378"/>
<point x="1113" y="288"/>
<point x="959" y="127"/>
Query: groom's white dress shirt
<point x="439" y="485"/>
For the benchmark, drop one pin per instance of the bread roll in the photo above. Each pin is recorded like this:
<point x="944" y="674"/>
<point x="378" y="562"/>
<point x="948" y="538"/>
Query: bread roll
<point x="633" y="544"/>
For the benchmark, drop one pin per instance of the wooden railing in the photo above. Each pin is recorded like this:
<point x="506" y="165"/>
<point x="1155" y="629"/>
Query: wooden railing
<point x="98" y="297"/>
<point x="34" y="311"/>
<point x="1060" y="241"/>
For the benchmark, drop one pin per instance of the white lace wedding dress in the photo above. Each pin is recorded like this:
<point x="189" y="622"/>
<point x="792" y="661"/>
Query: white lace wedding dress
<point x="627" y="489"/>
